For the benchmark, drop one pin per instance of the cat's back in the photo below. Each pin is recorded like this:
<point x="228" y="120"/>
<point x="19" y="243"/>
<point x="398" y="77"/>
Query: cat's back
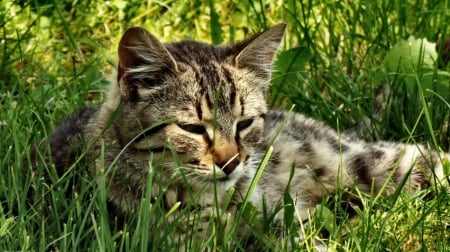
<point x="296" y="126"/>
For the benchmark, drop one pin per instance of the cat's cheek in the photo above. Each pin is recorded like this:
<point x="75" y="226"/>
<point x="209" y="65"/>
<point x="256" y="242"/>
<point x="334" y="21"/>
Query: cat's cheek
<point x="251" y="138"/>
<point x="184" y="144"/>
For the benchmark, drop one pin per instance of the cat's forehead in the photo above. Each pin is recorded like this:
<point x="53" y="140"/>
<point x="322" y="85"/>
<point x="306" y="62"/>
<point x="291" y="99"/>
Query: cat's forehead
<point x="198" y="53"/>
<point x="209" y="80"/>
<point x="207" y="71"/>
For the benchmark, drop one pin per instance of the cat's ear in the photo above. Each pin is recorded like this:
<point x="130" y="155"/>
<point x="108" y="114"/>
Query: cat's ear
<point x="143" y="61"/>
<point x="259" y="51"/>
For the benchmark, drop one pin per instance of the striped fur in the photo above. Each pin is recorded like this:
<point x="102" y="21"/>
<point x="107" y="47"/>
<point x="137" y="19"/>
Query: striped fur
<point x="208" y="103"/>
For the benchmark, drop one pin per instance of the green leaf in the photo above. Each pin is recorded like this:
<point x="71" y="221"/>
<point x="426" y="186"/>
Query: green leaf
<point x="326" y="218"/>
<point x="409" y="55"/>
<point x="413" y="62"/>
<point x="287" y="67"/>
<point x="289" y="63"/>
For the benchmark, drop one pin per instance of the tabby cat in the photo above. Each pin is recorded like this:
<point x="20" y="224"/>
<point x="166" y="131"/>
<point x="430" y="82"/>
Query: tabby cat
<point x="208" y="104"/>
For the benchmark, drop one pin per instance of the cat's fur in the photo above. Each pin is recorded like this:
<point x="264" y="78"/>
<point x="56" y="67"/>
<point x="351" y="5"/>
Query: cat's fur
<point x="208" y="103"/>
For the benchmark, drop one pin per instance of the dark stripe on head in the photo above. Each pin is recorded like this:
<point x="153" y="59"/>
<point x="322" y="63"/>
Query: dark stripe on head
<point x="232" y="94"/>
<point x="230" y="82"/>
<point x="205" y="91"/>
<point x="241" y="100"/>
<point x="209" y="101"/>
<point x="227" y="76"/>
<point x="198" y="107"/>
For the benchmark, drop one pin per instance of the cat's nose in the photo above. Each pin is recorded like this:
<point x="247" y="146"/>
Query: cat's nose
<point x="229" y="166"/>
<point x="226" y="156"/>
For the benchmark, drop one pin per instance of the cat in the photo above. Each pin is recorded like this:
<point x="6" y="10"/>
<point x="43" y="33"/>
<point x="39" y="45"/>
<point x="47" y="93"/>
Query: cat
<point x="208" y="104"/>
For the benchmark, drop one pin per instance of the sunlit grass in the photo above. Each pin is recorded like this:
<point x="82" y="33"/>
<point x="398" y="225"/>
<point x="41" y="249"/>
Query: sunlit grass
<point x="55" y="57"/>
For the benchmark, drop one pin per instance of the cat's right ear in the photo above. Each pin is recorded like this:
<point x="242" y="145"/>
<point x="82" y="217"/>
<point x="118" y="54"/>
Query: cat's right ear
<point x="258" y="52"/>
<point x="143" y="62"/>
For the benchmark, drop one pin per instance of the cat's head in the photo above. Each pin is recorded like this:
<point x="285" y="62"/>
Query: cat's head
<point x="209" y="101"/>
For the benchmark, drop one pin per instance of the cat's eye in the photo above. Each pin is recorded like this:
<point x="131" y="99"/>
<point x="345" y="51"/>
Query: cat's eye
<point x="192" y="128"/>
<point x="242" y="125"/>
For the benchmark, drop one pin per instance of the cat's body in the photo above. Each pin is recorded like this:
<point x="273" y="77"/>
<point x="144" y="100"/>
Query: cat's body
<point x="208" y="104"/>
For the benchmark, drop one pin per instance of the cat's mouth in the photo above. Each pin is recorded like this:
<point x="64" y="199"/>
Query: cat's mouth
<point x="224" y="179"/>
<point x="213" y="173"/>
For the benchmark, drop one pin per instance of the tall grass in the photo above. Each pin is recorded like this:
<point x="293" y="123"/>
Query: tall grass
<point x="55" y="57"/>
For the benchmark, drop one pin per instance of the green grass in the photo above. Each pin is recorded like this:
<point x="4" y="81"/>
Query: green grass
<point x="55" y="57"/>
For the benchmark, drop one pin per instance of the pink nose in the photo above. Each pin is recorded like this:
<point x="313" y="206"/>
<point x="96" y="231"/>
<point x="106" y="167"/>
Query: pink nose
<point x="226" y="156"/>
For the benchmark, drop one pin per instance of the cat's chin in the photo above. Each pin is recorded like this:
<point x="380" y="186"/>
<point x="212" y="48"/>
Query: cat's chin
<point x="224" y="183"/>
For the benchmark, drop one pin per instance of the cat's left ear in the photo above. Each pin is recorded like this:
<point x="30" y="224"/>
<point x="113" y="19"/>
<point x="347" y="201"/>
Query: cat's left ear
<point x="258" y="52"/>
<point x="144" y="62"/>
